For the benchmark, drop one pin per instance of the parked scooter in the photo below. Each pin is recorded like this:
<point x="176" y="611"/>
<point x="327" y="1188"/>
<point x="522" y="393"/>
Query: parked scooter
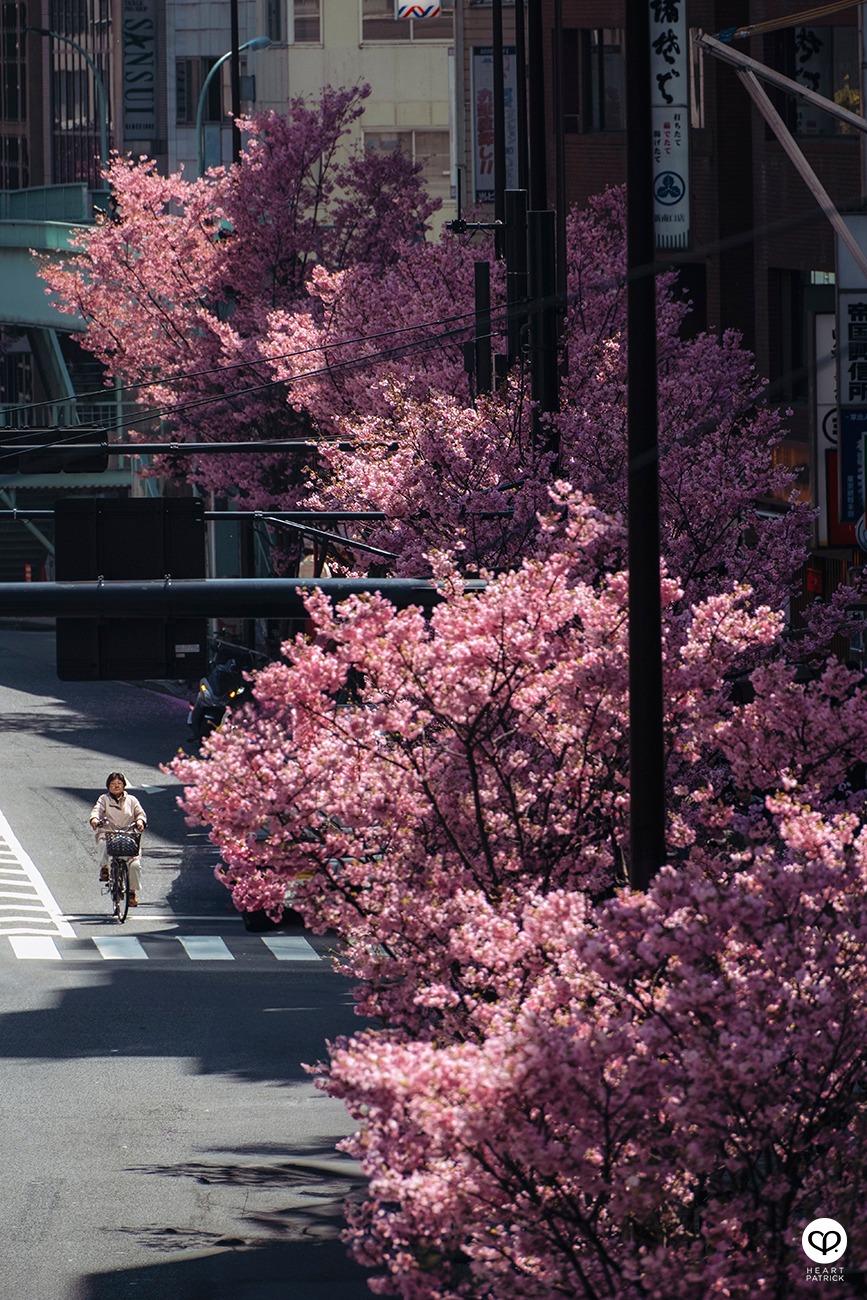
<point x="224" y="687"/>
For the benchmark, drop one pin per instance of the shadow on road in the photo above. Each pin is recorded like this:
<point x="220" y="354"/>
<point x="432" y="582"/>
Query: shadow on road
<point x="288" y="1270"/>
<point x="289" y="1250"/>
<point x="285" y="1203"/>
<point x="254" y="1026"/>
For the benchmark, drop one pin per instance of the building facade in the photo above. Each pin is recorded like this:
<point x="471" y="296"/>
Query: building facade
<point x="758" y="254"/>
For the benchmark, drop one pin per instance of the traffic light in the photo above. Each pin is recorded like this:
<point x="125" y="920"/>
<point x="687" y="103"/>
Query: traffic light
<point x="131" y="540"/>
<point x="54" y="451"/>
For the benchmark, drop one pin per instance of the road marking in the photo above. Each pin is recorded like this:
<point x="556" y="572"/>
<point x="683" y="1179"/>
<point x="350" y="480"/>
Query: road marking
<point x="205" y="947"/>
<point x="34" y="947"/>
<point x="34" y="908"/>
<point x="291" y="947"/>
<point x="165" y="918"/>
<point x="121" y="947"/>
<point x="142" y="946"/>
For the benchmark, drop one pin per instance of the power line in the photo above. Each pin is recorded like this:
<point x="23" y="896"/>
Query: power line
<point x="240" y="365"/>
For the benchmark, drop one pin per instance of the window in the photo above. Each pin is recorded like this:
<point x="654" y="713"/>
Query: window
<point x="274" y="21"/>
<point x="378" y="23"/>
<point x="429" y="148"/>
<point x="824" y="60"/>
<point x="305" y="21"/>
<point x="12" y="98"/>
<point x="190" y="76"/>
<point x="14" y="168"/>
<point x="604" y="88"/>
<point x="594" y="89"/>
<point x="787" y="335"/>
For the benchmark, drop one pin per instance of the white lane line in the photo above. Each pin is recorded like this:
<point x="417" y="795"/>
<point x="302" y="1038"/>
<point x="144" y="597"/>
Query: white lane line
<point x="40" y="888"/>
<point x="168" y="917"/>
<point x="205" y="947"/>
<point x="34" y="947"/>
<point x="120" y="947"/>
<point x="291" y="947"/>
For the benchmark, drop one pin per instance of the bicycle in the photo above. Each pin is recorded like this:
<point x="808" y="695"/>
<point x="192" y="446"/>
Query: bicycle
<point x="121" y="847"/>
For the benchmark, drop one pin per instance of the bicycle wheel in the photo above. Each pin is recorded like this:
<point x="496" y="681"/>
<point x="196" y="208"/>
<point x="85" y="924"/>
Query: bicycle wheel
<point x="120" y="888"/>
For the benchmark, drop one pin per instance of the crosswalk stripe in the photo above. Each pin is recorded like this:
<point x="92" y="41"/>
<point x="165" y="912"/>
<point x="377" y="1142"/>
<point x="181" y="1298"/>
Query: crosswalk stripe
<point x="205" y="947"/>
<point x="27" y="945"/>
<point x="291" y="947"/>
<point x="120" y="947"/>
<point x="19" y="863"/>
<point x="34" y="947"/>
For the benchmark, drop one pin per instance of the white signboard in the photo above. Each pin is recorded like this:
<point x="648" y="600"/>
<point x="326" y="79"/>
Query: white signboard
<point x="825" y="413"/>
<point x="483" y="120"/>
<point x="669" y="98"/>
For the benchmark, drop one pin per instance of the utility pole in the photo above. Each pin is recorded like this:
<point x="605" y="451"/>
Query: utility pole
<point x="235" y="79"/>
<point x="499" y="125"/>
<point x="646" y="746"/>
<point x="536" y="96"/>
<point x="521" y="95"/>
<point x="557" y="92"/>
<point x="516" y="272"/>
<point x="542" y="310"/>
<point x="483" y="356"/>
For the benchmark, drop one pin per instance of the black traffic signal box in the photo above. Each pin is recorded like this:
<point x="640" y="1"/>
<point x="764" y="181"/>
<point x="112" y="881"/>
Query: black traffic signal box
<point x="145" y="539"/>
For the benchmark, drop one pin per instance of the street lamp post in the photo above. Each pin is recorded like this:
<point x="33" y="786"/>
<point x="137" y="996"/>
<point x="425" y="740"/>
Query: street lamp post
<point x="98" y="83"/>
<point x="257" y="43"/>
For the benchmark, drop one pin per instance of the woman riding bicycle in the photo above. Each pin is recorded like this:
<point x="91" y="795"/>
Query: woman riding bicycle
<point x="118" y="811"/>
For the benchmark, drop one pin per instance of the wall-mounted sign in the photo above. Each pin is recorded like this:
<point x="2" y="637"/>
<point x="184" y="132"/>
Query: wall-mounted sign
<point x="139" y="70"/>
<point x="851" y="372"/>
<point x="669" y="98"/>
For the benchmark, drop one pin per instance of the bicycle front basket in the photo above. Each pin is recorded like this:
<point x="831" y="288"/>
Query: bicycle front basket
<point x="122" y="844"/>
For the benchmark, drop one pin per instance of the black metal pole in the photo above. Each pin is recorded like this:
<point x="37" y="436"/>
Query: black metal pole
<point x="521" y="96"/>
<point x="559" y="152"/>
<point x="499" y="124"/>
<point x="545" y="383"/>
<point x="536" y="95"/>
<point x="235" y="80"/>
<point x="516" y="271"/>
<point x="484" y="365"/>
<point x="646" y="744"/>
<point x="191" y="597"/>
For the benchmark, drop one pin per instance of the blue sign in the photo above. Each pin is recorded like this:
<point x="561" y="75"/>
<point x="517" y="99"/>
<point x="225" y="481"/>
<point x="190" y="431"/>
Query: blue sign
<point x="853" y="429"/>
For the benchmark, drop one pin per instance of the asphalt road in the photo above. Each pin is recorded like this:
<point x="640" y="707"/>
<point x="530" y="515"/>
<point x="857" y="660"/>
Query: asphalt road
<point x="160" y="1135"/>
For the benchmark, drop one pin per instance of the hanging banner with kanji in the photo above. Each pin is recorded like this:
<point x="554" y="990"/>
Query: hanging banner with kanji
<point x="851" y="372"/>
<point x="482" y="96"/>
<point x="669" y="98"/>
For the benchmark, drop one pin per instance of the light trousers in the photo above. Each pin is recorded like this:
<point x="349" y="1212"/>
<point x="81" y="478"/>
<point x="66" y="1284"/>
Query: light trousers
<point x="134" y="864"/>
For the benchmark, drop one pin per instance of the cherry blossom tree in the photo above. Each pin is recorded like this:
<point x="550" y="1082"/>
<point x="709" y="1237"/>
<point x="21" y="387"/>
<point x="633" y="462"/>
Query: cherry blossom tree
<point x="471" y="478"/>
<point x="573" y="1090"/>
<point x="290" y="296"/>
<point x="179" y="283"/>
<point x="566" y="1088"/>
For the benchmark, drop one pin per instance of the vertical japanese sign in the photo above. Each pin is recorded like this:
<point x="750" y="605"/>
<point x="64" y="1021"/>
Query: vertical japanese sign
<point x="669" y="98"/>
<point x="851" y="373"/>
<point x="483" y="120"/>
<point x="829" y="530"/>
<point x="139" y="70"/>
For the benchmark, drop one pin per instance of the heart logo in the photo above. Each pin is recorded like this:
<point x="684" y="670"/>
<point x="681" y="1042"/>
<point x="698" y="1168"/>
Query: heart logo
<point x="825" y="1242"/>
